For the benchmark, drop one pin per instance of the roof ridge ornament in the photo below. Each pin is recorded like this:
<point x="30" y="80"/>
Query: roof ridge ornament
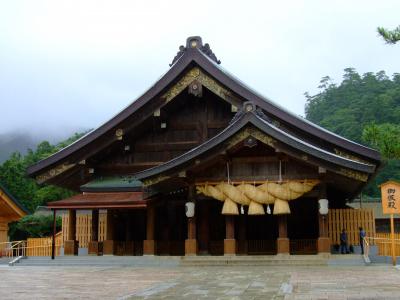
<point x="250" y="107"/>
<point x="195" y="42"/>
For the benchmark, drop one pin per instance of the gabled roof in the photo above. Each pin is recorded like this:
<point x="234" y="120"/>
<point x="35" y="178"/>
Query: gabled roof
<point x="12" y="202"/>
<point x="250" y="116"/>
<point x="197" y="55"/>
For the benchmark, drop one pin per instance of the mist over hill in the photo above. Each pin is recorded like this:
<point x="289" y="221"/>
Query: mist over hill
<point x="21" y="141"/>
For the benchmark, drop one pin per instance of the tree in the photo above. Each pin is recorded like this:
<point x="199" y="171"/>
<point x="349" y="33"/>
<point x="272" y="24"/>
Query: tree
<point x="33" y="226"/>
<point x="13" y="175"/>
<point x="390" y="36"/>
<point x="366" y="109"/>
<point x="385" y="137"/>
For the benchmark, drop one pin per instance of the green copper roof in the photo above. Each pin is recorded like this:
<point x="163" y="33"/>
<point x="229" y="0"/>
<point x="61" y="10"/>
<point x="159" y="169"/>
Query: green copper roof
<point x="114" y="183"/>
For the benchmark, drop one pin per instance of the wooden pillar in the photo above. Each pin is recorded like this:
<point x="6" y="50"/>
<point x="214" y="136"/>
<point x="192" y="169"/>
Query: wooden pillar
<point x="229" y="241"/>
<point x="283" y="246"/>
<point x="323" y="243"/>
<point x="108" y="244"/>
<point x="95" y="225"/>
<point x="191" y="242"/>
<point x="53" y="239"/>
<point x="149" y="245"/>
<point x="94" y="243"/>
<point x="71" y="244"/>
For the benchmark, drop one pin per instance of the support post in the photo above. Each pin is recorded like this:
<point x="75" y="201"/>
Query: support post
<point x="229" y="241"/>
<point x="71" y="244"/>
<point x="149" y="246"/>
<point x="94" y="243"/>
<point x="392" y="239"/>
<point x="53" y="240"/>
<point x="283" y="246"/>
<point x="323" y="243"/>
<point x="108" y="244"/>
<point x="191" y="242"/>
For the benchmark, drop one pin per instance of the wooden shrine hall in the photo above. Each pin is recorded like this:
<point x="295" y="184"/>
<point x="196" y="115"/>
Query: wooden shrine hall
<point x="10" y="210"/>
<point x="201" y="164"/>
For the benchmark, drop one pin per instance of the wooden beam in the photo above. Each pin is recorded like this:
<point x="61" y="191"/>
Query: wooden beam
<point x="160" y="147"/>
<point x="257" y="159"/>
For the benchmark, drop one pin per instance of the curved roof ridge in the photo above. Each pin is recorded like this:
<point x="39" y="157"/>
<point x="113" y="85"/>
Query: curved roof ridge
<point x="236" y="126"/>
<point x="122" y="114"/>
<point x="225" y="78"/>
<point x="280" y="107"/>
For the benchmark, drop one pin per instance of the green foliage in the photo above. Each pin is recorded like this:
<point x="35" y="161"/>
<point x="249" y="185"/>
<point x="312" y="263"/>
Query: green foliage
<point x="385" y="137"/>
<point x="363" y="108"/>
<point x="30" y="194"/>
<point x="389" y="36"/>
<point x="390" y="171"/>
<point x="33" y="226"/>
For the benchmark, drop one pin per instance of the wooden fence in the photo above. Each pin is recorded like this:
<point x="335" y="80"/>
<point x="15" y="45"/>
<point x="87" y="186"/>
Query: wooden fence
<point x="384" y="246"/>
<point x="351" y="220"/>
<point x="84" y="227"/>
<point x="42" y="246"/>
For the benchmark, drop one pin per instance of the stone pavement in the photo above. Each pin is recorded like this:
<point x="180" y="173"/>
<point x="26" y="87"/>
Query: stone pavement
<point x="231" y="282"/>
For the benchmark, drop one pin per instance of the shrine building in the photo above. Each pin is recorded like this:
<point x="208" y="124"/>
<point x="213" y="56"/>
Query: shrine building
<point x="201" y="164"/>
<point x="10" y="210"/>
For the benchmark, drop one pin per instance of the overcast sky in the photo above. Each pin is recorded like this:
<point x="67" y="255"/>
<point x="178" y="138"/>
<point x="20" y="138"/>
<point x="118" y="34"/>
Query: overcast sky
<point x="67" y="65"/>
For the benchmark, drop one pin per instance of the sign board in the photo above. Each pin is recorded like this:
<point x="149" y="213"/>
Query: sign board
<point x="390" y="197"/>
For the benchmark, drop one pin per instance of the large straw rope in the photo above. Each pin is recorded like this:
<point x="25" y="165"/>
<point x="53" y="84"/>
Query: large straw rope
<point x="255" y="196"/>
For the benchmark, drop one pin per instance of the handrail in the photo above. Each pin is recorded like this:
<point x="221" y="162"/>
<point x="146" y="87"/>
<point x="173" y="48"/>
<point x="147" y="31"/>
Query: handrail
<point x="383" y="240"/>
<point x="14" y="248"/>
<point x="366" y="249"/>
<point x="379" y="241"/>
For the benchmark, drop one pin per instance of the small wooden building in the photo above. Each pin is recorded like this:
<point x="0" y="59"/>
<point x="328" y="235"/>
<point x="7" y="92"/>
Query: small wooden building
<point x="202" y="164"/>
<point x="10" y="210"/>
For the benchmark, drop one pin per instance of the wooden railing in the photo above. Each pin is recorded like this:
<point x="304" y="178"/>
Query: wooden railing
<point x="13" y="249"/>
<point x="216" y="247"/>
<point x="303" y="246"/>
<point x="383" y="242"/>
<point x="171" y="247"/>
<point x="32" y="247"/>
<point x="259" y="247"/>
<point x="42" y="246"/>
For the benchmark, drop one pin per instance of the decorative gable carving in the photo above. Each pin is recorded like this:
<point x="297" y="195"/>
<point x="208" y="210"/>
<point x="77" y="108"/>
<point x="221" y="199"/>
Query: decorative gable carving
<point x="195" y="42"/>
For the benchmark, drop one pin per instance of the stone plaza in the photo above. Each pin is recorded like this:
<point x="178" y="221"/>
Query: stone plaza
<point x="230" y="282"/>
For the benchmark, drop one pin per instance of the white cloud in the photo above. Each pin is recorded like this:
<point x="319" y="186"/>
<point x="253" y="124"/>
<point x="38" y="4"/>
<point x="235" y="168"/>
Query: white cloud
<point x="66" y="64"/>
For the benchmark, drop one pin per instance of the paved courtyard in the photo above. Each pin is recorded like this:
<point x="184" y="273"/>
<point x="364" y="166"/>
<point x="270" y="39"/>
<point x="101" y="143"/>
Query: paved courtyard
<point x="333" y="282"/>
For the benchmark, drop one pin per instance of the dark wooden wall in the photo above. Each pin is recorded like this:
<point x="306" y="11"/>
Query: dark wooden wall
<point x="189" y="121"/>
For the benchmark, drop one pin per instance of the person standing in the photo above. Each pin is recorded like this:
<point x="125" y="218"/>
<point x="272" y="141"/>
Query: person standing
<point x="343" y="242"/>
<point x="362" y="236"/>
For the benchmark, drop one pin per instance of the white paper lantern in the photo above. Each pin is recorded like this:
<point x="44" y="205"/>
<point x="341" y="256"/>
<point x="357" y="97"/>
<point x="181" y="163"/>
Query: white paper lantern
<point x="189" y="209"/>
<point x="323" y="206"/>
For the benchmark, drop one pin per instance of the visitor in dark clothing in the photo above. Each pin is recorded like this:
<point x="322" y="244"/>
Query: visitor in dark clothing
<point x="343" y="242"/>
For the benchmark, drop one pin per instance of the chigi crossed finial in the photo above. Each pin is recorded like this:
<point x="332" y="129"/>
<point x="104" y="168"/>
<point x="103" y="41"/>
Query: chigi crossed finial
<point x="195" y="42"/>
